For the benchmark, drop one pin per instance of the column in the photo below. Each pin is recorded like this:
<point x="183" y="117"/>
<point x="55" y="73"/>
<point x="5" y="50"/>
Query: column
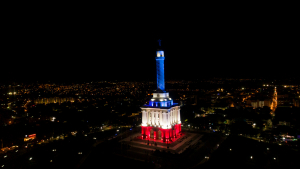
<point x="160" y="118"/>
<point x="148" y="119"/>
<point x="144" y="117"/>
<point x="156" y="118"/>
<point x="168" y="119"/>
<point x="152" y="118"/>
<point x="178" y="116"/>
<point x="164" y="119"/>
<point x="173" y="115"/>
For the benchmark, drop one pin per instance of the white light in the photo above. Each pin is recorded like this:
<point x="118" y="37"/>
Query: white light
<point x="2" y="166"/>
<point x="94" y="138"/>
<point x="5" y="156"/>
<point x="230" y="149"/>
<point x="251" y="157"/>
<point x="50" y="161"/>
<point x="117" y="130"/>
<point x="274" y="158"/>
<point x="152" y="99"/>
<point x="268" y="149"/>
<point x="30" y="158"/>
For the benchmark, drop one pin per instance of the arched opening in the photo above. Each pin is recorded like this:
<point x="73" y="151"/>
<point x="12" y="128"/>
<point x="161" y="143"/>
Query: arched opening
<point x="151" y="133"/>
<point x="159" y="135"/>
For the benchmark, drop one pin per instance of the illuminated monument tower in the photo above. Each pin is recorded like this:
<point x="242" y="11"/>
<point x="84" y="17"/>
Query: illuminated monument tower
<point x="161" y="117"/>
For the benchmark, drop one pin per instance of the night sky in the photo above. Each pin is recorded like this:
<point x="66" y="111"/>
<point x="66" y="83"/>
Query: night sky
<point x="122" y="47"/>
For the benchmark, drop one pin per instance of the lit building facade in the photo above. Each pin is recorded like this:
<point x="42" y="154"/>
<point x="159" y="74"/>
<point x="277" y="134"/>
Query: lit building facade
<point x="161" y="117"/>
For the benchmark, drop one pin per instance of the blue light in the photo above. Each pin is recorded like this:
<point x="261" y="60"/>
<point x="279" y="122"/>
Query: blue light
<point x="115" y="134"/>
<point x="131" y="129"/>
<point x="160" y="73"/>
<point x="160" y="53"/>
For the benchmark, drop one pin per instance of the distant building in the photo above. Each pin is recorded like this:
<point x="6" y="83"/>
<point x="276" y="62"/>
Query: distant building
<point x="296" y="102"/>
<point x="260" y="103"/>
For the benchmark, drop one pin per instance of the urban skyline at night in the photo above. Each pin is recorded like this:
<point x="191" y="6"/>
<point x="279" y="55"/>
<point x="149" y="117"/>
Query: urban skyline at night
<point x="197" y="90"/>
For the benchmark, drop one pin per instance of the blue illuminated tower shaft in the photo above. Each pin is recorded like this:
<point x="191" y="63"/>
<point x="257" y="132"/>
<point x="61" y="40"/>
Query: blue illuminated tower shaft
<point x="160" y="73"/>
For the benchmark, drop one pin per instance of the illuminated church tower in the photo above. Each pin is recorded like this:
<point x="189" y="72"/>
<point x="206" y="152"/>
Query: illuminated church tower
<point x="161" y="117"/>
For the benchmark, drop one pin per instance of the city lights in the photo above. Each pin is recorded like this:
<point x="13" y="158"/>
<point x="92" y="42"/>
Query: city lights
<point x="170" y="118"/>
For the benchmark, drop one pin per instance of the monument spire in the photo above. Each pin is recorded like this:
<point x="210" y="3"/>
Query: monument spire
<point x="159" y="42"/>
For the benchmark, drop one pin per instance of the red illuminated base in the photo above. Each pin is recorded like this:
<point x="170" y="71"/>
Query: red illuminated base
<point x="161" y="134"/>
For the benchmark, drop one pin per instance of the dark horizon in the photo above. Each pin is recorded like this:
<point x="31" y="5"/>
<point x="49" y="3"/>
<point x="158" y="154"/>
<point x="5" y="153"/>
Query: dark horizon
<point x="49" y="49"/>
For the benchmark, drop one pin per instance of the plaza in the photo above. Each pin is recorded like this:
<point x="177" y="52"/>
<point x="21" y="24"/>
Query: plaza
<point x="176" y="146"/>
